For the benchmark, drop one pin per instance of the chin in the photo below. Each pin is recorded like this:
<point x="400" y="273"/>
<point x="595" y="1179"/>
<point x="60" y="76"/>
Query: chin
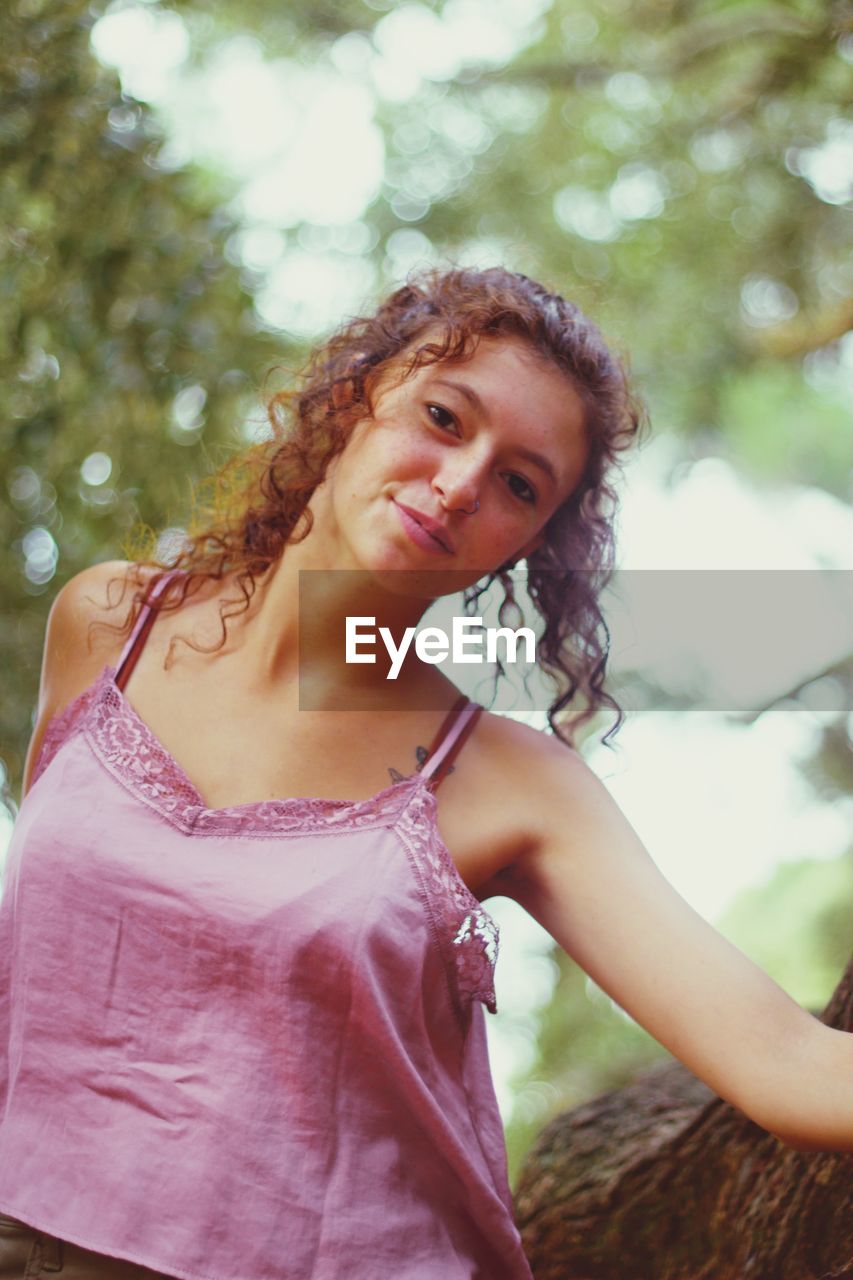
<point x="425" y="584"/>
<point x="409" y="574"/>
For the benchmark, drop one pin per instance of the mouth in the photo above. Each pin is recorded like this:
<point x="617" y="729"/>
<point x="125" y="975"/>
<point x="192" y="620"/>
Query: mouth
<point x="423" y="530"/>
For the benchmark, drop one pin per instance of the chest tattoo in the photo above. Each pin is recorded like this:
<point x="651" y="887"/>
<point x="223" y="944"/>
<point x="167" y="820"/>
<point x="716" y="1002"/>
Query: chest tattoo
<point x="421" y="755"/>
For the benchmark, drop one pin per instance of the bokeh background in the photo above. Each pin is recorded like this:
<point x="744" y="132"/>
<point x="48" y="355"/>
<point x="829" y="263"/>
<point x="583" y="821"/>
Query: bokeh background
<point x="191" y="193"/>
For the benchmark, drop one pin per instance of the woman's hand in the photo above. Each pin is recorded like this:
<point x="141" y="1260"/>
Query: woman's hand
<point x="589" y="880"/>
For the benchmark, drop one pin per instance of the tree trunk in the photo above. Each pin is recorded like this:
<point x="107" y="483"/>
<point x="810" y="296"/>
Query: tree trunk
<point x="664" y="1181"/>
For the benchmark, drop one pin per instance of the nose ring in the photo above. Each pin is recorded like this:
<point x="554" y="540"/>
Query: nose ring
<point x="474" y="512"/>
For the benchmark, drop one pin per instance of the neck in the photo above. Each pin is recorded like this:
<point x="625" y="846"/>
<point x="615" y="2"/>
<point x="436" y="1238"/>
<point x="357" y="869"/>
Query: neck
<point x="298" y="635"/>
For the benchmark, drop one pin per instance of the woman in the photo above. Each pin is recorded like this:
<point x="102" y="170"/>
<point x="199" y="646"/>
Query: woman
<point x="245" y="1028"/>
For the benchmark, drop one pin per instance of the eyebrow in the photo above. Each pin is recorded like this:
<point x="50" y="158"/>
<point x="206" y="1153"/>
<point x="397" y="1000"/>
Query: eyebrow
<point x="538" y="459"/>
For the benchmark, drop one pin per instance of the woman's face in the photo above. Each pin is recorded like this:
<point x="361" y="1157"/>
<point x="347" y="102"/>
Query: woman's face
<point x="459" y="469"/>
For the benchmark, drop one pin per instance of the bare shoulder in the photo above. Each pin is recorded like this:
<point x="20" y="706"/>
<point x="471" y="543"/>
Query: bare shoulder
<point x="550" y="791"/>
<point x="75" y="652"/>
<point x="525" y="756"/>
<point x="581" y="857"/>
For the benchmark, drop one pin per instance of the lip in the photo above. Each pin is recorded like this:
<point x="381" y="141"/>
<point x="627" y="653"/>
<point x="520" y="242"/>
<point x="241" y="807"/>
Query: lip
<point x="423" y="530"/>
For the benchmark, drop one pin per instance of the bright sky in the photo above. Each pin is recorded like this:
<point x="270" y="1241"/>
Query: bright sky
<point x="718" y="805"/>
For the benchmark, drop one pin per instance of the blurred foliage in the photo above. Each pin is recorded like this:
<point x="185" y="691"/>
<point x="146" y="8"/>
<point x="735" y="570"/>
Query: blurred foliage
<point x="126" y="337"/>
<point x="585" y="1045"/>
<point x="798" y="926"/>
<point x="682" y="170"/>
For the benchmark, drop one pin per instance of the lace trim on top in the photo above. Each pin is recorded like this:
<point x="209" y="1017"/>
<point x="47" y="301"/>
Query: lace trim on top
<point x="61" y="727"/>
<point x="464" y="931"/>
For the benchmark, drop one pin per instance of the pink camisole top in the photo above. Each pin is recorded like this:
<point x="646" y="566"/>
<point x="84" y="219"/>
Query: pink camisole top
<point x="245" y="1043"/>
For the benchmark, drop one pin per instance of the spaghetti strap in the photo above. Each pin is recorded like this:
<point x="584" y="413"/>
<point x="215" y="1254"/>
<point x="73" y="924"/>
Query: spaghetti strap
<point x="136" y="640"/>
<point x="450" y="739"/>
<point x="446" y="724"/>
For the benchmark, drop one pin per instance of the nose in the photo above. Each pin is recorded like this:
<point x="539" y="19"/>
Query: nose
<point x="459" y="488"/>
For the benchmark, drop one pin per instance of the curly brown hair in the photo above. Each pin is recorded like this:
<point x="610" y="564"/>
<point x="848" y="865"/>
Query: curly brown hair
<point x="257" y="502"/>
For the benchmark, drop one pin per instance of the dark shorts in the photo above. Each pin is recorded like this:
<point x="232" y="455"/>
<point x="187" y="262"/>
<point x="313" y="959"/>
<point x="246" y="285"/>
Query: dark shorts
<point x="26" y="1252"/>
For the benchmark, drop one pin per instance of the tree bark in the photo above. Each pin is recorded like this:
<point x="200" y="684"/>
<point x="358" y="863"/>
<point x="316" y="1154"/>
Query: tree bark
<point x="662" y="1180"/>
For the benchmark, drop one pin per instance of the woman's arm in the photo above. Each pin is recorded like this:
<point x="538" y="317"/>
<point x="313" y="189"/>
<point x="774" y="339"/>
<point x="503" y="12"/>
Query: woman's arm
<point x="589" y="880"/>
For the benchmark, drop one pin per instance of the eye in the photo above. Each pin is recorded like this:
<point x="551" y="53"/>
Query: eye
<point x="442" y="418"/>
<point x="525" y="492"/>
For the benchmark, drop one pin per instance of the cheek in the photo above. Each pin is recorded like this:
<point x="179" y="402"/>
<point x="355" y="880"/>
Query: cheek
<point x="404" y="449"/>
<point x="379" y="459"/>
<point x="494" y="541"/>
